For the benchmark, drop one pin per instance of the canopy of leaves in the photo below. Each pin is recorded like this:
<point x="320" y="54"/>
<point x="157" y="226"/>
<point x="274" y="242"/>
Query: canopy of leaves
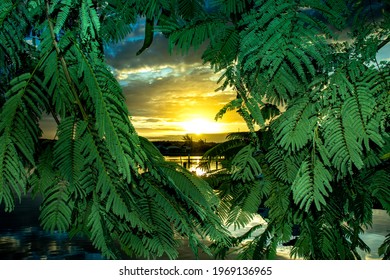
<point x="322" y="153"/>
<point x="317" y="107"/>
<point x="98" y="177"/>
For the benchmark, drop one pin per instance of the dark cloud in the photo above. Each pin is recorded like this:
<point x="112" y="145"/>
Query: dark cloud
<point x="123" y="55"/>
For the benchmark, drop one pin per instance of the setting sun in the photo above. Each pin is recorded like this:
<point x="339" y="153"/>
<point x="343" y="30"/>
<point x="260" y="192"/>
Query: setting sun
<point x="201" y="126"/>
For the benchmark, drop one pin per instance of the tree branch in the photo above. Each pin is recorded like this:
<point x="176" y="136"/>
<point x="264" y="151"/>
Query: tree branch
<point x="64" y="65"/>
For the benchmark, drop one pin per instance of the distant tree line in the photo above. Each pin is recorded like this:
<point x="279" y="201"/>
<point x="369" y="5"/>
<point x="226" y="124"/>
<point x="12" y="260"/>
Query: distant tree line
<point x="184" y="148"/>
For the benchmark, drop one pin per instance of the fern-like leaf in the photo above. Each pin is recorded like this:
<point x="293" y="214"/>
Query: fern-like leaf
<point x="312" y="184"/>
<point x="224" y="50"/>
<point x="193" y="34"/>
<point x="5" y="8"/>
<point x="232" y="105"/>
<point x="63" y="15"/>
<point x="97" y="226"/>
<point x="384" y="249"/>
<point x="295" y="127"/>
<point x="116" y="20"/>
<point x="226" y="150"/>
<point x="285" y="167"/>
<point x="159" y="241"/>
<point x="19" y="132"/>
<point x="342" y="144"/>
<point x="282" y="23"/>
<point x="245" y="166"/>
<point x="56" y="208"/>
<point x="110" y="114"/>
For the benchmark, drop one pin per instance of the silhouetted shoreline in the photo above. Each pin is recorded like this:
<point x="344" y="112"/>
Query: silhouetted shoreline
<point x="183" y="148"/>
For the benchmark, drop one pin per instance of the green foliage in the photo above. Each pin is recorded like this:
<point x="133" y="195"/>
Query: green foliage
<point x="245" y="165"/>
<point x="312" y="183"/>
<point x="231" y="6"/>
<point x="97" y="178"/>
<point x="385" y="248"/>
<point x="19" y="132"/>
<point x="317" y="109"/>
<point x="295" y="128"/>
<point x="224" y="49"/>
<point x="193" y="34"/>
<point x="239" y="183"/>
<point x="324" y="159"/>
<point x="15" y="18"/>
<point x="116" y="19"/>
<point x="227" y="150"/>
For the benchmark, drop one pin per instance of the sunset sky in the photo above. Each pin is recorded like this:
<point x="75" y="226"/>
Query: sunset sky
<point x="167" y="95"/>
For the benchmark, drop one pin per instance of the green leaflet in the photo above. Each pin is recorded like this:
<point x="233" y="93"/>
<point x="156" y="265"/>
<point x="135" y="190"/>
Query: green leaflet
<point x="89" y="22"/>
<point x="268" y="29"/>
<point x="63" y="14"/>
<point x="186" y="202"/>
<point x="97" y="224"/>
<point x="227" y="149"/>
<point x="57" y="207"/>
<point x="45" y="174"/>
<point x="116" y="20"/>
<point x="378" y="186"/>
<point x="112" y="121"/>
<point x="190" y="8"/>
<point x="284" y="166"/>
<point x="342" y="144"/>
<point x="280" y="211"/>
<point x="5" y="8"/>
<point x="12" y="174"/>
<point x="157" y="241"/>
<point x="239" y="201"/>
<point x="58" y="88"/>
<point x="223" y="51"/>
<point x="364" y="105"/>
<point x="312" y="184"/>
<point x="384" y="249"/>
<point x="19" y="132"/>
<point x="333" y="122"/>
<point x="193" y="34"/>
<point x="192" y="190"/>
<point x="333" y="10"/>
<point x="295" y="128"/>
<point x="68" y="153"/>
<point x="245" y="166"/>
<point x="254" y="108"/>
<point x="13" y="18"/>
<point x="232" y="105"/>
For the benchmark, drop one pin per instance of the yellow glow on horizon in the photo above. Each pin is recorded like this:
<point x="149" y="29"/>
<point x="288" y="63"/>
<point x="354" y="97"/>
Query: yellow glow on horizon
<point x="201" y="126"/>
